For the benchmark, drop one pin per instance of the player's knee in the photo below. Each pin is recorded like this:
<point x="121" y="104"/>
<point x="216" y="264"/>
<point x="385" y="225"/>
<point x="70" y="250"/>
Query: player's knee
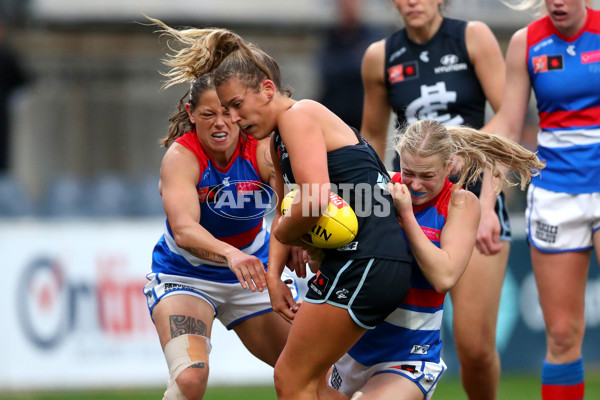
<point x="563" y="338"/>
<point x="480" y="349"/>
<point x="187" y="358"/>
<point x="477" y="356"/>
<point x="192" y="382"/>
<point x="283" y="380"/>
<point x="278" y="379"/>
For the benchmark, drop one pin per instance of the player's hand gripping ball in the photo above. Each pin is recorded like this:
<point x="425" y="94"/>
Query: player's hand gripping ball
<point x="336" y="227"/>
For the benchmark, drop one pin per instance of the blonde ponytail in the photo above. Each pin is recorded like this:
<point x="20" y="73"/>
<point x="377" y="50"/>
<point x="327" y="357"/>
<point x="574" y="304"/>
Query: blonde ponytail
<point x="477" y="150"/>
<point x="480" y="151"/>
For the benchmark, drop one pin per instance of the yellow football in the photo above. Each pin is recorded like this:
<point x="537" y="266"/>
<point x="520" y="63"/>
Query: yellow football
<point x="336" y="227"/>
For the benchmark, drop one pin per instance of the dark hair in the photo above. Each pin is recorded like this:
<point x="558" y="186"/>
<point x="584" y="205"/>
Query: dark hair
<point x="180" y="121"/>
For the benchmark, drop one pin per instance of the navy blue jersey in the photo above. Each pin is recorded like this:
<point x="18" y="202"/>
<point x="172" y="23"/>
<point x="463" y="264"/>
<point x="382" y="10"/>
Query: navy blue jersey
<point x="435" y="80"/>
<point x="360" y="178"/>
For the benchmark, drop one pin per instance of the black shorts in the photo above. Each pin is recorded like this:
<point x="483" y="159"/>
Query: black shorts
<point x="502" y="212"/>
<point x="370" y="289"/>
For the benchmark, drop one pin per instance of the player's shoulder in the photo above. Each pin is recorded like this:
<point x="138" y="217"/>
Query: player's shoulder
<point x="375" y="50"/>
<point x="461" y="198"/>
<point x="475" y="28"/>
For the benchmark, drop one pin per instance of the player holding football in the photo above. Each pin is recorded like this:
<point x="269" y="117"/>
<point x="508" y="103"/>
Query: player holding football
<point x="400" y="358"/>
<point x="313" y="148"/>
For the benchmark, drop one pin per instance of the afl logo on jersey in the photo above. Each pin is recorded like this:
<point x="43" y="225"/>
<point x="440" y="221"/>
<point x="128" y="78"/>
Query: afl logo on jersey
<point x="241" y="200"/>
<point x="449" y="59"/>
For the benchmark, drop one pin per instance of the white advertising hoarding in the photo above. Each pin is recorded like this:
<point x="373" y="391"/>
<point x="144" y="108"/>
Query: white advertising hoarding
<point x="74" y="314"/>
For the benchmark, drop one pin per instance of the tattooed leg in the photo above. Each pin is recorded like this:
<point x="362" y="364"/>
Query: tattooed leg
<point x="188" y="348"/>
<point x="182" y="324"/>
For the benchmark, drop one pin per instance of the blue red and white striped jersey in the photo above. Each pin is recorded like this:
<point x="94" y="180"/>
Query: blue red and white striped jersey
<point x="233" y="201"/>
<point x="412" y="331"/>
<point x="565" y="76"/>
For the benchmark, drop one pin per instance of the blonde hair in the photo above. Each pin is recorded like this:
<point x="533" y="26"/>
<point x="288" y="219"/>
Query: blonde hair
<point x="220" y="51"/>
<point x="477" y="150"/>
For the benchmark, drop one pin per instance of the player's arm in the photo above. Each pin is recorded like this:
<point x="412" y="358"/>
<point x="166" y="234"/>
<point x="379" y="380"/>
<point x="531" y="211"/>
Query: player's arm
<point x="376" y="105"/>
<point x="509" y="124"/>
<point x="301" y="132"/>
<point x="442" y="266"/>
<point x="282" y="300"/>
<point x="295" y="259"/>
<point x="486" y="57"/>
<point x="517" y="90"/>
<point x="178" y="177"/>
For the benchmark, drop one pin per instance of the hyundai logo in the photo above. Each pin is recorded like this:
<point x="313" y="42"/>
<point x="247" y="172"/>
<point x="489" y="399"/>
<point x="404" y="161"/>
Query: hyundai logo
<point x="449" y="59"/>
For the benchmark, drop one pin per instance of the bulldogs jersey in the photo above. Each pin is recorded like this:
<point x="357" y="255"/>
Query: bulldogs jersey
<point x="233" y="201"/>
<point x="360" y="178"/>
<point x="565" y="76"/>
<point x="412" y="331"/>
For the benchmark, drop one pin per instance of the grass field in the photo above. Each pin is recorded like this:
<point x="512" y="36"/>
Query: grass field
<point x="512" y="387"/>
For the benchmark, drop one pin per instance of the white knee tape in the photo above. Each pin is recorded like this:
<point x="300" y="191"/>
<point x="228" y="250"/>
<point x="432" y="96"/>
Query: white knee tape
<point x="184" y="351"/>
<point x="173" y="392"/>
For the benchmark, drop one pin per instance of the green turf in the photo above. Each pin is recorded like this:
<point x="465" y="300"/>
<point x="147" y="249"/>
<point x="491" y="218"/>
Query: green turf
<point x="512" y="387"/>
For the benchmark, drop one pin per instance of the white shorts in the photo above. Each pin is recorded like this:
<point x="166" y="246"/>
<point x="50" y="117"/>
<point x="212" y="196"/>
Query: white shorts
<point x="231" y="303"/>
<point x="349" y="375"/>
<point x="559" y="222"/>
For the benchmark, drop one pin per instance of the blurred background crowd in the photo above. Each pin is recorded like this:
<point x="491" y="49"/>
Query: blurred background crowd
<point x="81" y="105"/>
